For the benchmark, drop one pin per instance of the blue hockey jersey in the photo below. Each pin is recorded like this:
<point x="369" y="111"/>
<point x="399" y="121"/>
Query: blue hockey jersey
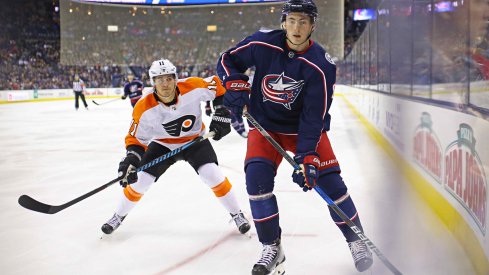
<point x="291" y="91"/>
<point x="134" y="90"/>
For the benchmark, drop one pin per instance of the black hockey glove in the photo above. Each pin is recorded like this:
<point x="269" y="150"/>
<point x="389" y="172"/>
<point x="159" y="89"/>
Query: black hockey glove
<point x="127" y="169"/>
<point x="237" y="93"/>
<point x="221" y="123"/>
<point x="308" y="175"/>
<point x="123" y="97"/>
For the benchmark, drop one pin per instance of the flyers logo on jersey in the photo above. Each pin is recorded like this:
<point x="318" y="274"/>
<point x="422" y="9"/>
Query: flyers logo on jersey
<point x="181" y="124"/>
<point x="281" y="89"/>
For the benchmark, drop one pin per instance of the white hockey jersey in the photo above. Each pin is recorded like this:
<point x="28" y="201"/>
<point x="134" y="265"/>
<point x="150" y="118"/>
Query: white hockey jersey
<point x="172" y="126"/>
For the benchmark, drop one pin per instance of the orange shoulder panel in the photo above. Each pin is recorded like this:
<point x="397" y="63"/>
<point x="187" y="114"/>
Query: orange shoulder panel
<point x="143" y="104"/>
<point x="192" y="83"/>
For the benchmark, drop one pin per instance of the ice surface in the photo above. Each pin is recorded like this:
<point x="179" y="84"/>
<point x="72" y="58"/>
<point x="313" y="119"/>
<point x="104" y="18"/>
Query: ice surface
<point x="54" y="154"/>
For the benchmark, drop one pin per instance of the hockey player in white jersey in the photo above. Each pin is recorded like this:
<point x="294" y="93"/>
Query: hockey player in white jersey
<point x="167" y="119"/>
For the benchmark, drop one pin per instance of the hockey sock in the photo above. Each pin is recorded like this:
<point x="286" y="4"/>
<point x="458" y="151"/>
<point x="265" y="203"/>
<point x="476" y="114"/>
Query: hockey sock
<point x="265" y="216"/>
<point x="346" y="204"/>
<point x="133" y="193"/>
<point x="211" y="175"/>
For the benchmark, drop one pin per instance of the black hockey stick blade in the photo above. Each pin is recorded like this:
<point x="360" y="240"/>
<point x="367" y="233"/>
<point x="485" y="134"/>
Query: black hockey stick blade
<point x="94" y="102"/>
<point x="34" y="205"/>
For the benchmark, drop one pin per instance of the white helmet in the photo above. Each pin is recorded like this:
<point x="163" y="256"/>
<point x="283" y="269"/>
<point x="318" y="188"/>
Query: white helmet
<point x="161" y="67"/>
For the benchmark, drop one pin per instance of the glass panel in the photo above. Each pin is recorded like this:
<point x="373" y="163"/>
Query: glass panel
<point x="373" y="55"/>
<point x="365" y="58"/>
<point x="422" y="20"/>
<point x="438" y="52"/>
<point x="450" y="63"/>
<point x="401" y="47"/>
<point x="479" y="49"/>
<point x="383" y="44"/>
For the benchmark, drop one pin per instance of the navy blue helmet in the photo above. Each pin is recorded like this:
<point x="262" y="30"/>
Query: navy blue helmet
<point x="304" y="6"/>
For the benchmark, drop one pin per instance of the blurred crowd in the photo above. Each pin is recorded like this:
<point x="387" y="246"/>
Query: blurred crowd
<point x="37" y="52"/>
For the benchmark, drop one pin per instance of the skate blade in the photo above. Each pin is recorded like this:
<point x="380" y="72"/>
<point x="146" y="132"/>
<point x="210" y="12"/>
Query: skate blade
<point x="104" y="236"/>
<point x="279" y="269"/>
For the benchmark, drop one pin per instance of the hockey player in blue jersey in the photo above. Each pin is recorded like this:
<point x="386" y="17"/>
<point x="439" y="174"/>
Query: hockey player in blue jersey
<point x="133" y="89"/>
<point x="290" y="97"/>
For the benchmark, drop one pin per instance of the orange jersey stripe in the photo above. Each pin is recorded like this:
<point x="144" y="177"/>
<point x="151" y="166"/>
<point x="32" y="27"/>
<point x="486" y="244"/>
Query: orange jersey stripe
<point x="178" y="140"/>
<point x="222" y="188"/>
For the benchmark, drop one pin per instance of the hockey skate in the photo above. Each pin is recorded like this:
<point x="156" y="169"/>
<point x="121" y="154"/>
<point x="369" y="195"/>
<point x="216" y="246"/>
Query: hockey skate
<point x="361" y="255"/>
<point x="241" y="222"/>
<point x="271" y="261"/>
<point x="112" y="224"/>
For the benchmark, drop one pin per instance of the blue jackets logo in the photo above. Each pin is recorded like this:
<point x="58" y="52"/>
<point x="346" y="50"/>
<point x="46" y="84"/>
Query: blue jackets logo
<point x="280" y="89"/>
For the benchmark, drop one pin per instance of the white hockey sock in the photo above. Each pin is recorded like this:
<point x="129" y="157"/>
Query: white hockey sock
<point x="133" y="193"/>
<point x="211" y="175"/>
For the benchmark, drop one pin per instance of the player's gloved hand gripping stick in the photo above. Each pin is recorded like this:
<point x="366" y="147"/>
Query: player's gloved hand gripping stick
<point x="307" y="176"/>
<point x="330" y="202"/>
<point x="34" y="205"/>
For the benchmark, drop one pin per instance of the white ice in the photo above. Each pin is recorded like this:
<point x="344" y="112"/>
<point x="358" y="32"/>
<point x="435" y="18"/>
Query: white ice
<point x="53" y="153"/>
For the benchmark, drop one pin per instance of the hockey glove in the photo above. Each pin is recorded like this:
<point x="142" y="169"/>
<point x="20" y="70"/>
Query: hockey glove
<point x="237" y="93"/>
<point x="221" y="123"/>
<point x="127" y="169"/>
<point x="123" y="97"/>
<point x="308" y="175"/>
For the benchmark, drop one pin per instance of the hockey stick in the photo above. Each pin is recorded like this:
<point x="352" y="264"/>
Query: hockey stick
<point x="112" y="100"/>
<point x="34" y="205"/>
<point x="328" y="200"/>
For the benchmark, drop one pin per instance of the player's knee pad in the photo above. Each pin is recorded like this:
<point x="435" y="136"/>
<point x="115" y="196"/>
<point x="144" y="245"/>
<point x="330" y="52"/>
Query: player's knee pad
<point x="210" y="174"/>
<point x="145" y="180"/>
<point x="259" y="177"/>
<point x="332" y="184"/>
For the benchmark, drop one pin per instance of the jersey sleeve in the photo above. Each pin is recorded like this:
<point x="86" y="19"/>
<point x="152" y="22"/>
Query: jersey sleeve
<point x="237" y="59"/>
<point x="126" y="89"/>
<point x="215" y="84"/>
<point x="317" y="99"/>
<point x="141" y="129"/>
